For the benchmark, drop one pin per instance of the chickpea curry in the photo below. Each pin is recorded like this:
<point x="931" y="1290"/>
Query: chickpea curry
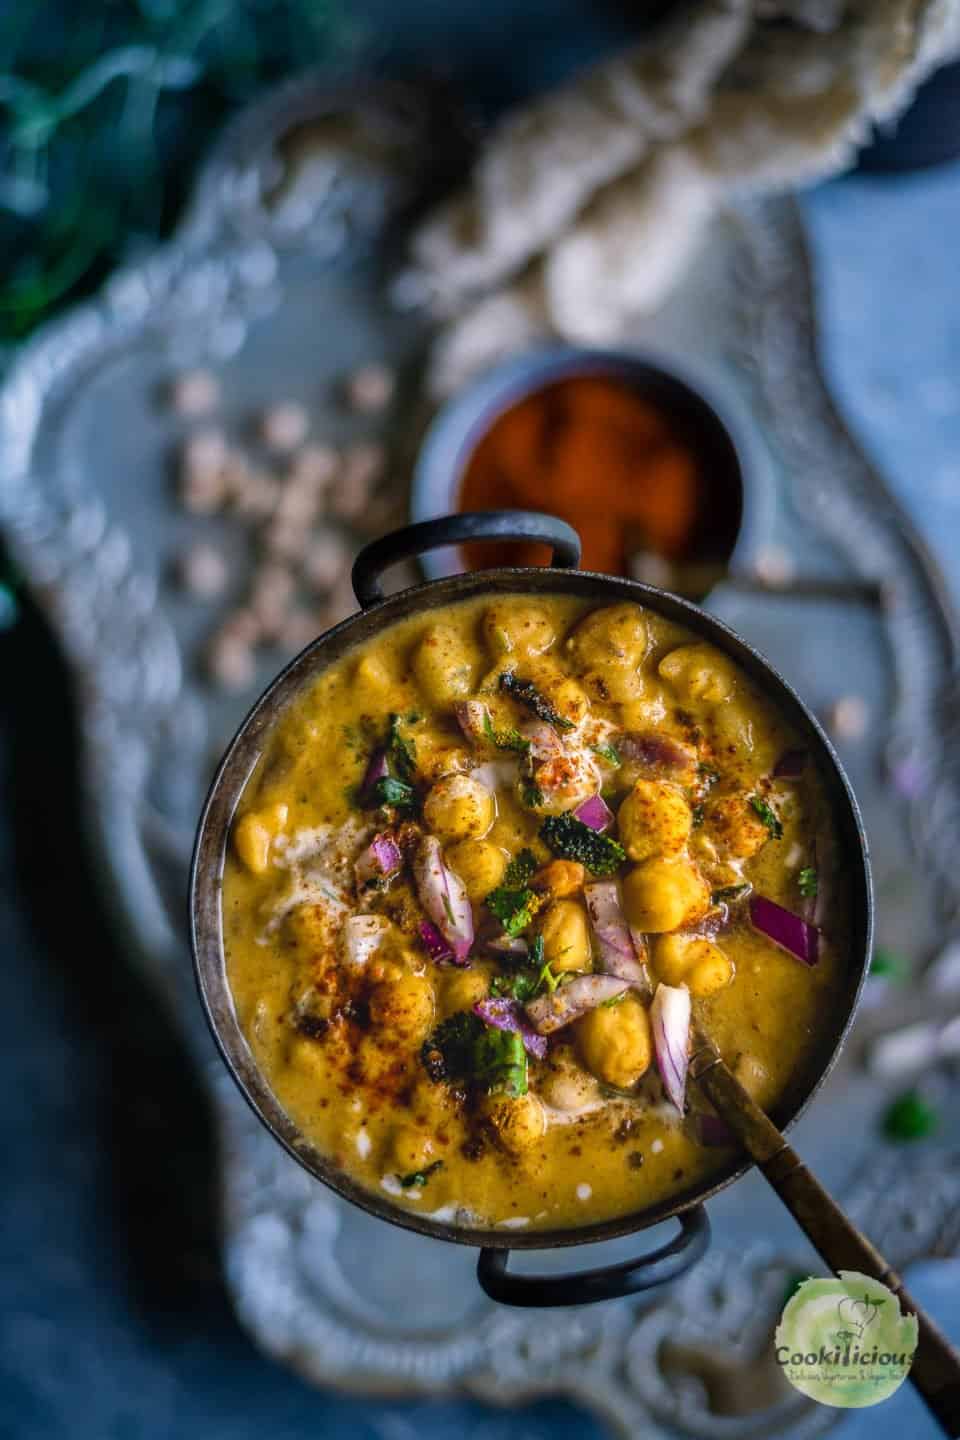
<point x="487" y="867"/>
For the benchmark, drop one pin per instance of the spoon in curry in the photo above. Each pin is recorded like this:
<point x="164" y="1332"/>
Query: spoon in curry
<point x="936" y="1366"/>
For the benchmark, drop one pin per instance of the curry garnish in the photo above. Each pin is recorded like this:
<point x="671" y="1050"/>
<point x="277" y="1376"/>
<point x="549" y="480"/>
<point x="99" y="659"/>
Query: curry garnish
<point x="807" y="883"/>
<point x="419" y="1178"/>
<point x="569" y="838"/>
<point x="527" y="694"/>
<point x="768" y="815"/>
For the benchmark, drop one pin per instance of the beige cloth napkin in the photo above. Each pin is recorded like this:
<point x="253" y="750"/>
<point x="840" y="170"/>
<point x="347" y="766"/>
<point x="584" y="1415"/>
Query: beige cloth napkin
<point x="586" y="205"/>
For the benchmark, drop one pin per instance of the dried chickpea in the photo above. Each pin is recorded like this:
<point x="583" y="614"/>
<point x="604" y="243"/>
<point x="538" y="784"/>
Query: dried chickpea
<point x="664" y="893"/>
<point x="655" y="819"/>
<point x="615" y="1042"/>
<point x="566" y="937"/>
<point x="511" y="629"/>
<point x="442" y="665"/>
<point x="517" y="1123"/>
<point x="255" y="833"/>
<point x="692" y="961"/>
<point x="459" y="808"/>
<point x="480" y="865"/>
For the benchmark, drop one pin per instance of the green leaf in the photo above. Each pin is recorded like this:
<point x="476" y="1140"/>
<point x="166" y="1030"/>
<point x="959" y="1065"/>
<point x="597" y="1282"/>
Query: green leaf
<point x="397" y="793"/>
<point x="768" y="815"/>
<point x="515" y="909"/>
<point x="420" y="1177"/>
<point x="531" y="795"/>
<point x="807" y="883"/>
<point x="526" y="693"/>
<point x="402" y="750"/>
<point x="569" y="838"/>
<point x="610" y="753"/>
<point x="449" y="1053"/>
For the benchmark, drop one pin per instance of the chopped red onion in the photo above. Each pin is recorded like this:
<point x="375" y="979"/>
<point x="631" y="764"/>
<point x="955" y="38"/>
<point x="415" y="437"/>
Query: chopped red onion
<point x="595" y="812"/>
<point x="513" y="945"/>
<point x="506" y="1014"/>
<point x="791" y="765"/>
<point x="380" y="860"/>
<point x="670" y="1021"/>
<point x="617" y="954"/>
<point x="376" y="770"/>
<point x="551" y="1012"/>
<point x="472" y="717"/>
<point x="444" y="898"/>
<point x="655" y="752"/>
<point x="433" y="942"/>
<point x="788" y="931"/>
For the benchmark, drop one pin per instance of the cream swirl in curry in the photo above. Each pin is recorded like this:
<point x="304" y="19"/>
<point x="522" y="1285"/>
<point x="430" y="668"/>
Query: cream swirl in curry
<point x="488" y="865"/>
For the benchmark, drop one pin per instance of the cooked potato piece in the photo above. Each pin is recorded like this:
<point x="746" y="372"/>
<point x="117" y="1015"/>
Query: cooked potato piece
<point x="734" y="826"/>
<point x="560" y="878"/>
<point x="512" y="629"/>
<point x="410" y="1149"/>
<point x="517" y="1123"/>
<point x="617" y="634"/>
<point x="664" y="893"/>
<point x="566" y="937"/>
<point x="462" y="989"/>
<point x="614" y="682"/>
<point x="442" y="665"/>
<point x="692" y="961"/>
<point x="480" y="865"/>
<point x="615" y="1042"/>
<point x="404" y="1007"/>
<point x="562" y="691"/>
<point x="565" y="1085"/>
<point x="655" y="819"/>
<point x="699" y="672"/>
<point x="255" y="833"/>
<point x="459" y="808"/>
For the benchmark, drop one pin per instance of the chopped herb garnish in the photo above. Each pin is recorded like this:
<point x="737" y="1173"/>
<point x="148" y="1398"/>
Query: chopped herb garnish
<point x="768" y="815"/>
<point x="729" y="893"/>
<point x="569" y="838"/>
<point x="402" y="750"/>
<point x="614" y="1000"/>
<point x="514" y="909"/>
<point x="448" y="1054"/>
<point x="420" y="1177"/>
<point x="697" y="816"/>
<point x="519" y="871"/>
<point x="523" y="985"/>
<point x="546" y="980"/>
<point x="708" y="774"/>
<point x="807" y="883"/>
<point x="501" y="1062"/>
<point x="537" y="946"/>
<point x="509" y="739"/>
<point x="531" y="794"/>
<point x="610" y="753"/>
<point x="526" y="693"/>
<point x="388" y="791"/>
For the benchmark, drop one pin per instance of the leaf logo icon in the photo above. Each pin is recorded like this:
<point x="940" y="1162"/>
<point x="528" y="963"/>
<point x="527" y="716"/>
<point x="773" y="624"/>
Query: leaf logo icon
<point x="856" y="1315"/>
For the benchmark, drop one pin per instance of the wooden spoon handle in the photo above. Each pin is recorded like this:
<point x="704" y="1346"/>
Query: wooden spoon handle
<point x="936" y="1367"/>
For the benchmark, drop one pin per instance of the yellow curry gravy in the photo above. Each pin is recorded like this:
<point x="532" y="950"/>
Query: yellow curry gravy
<point x="347" y="1007"/>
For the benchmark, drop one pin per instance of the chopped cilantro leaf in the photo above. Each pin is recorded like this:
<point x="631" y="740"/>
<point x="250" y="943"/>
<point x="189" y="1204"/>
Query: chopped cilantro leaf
<point x="522" y="985"/>
<point x="546" y="980"/>
<point x="531" y="794"/>
<point x="536" y="950"/>
<point x="526" y="693"/>
<point x="614" y="1000"/>
<point x="420" y="1177"/>
<point x="610" y="753"/>
<point x="768" y="815"/>
<point x="708" y="774"/>
<point x="807" y="883"/>
<point x="697" y="816"/>
<point x="569" y="838"/>
<point x="402" y="750"/>
<point x="397" y="793"/>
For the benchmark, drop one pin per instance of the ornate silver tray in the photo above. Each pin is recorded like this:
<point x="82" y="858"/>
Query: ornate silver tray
<point x="277" y="279"/>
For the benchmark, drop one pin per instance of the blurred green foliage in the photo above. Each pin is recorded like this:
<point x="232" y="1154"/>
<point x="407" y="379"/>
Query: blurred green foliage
<point x="105" y="108"/>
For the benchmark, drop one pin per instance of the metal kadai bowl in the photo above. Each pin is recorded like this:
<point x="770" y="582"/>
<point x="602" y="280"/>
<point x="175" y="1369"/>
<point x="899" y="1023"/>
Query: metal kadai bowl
<point x="688" y="1245"/>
